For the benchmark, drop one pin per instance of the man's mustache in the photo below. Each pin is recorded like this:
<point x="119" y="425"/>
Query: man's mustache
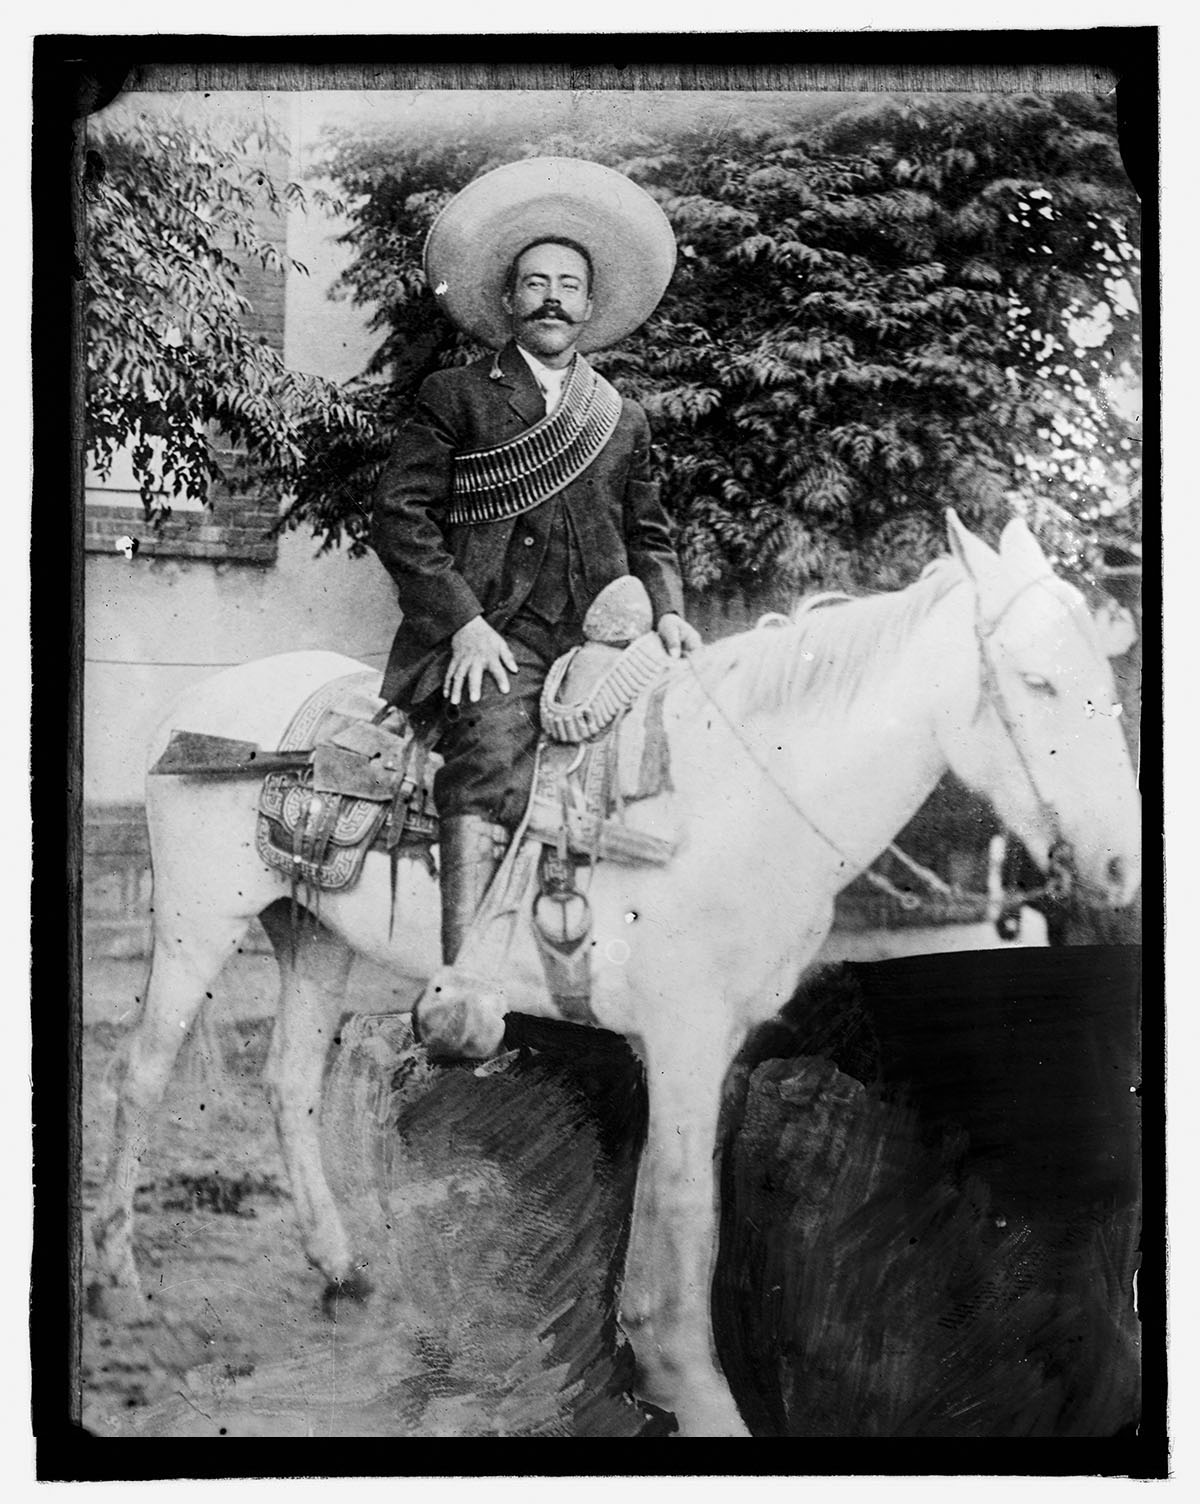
<point x="548" y="311"/>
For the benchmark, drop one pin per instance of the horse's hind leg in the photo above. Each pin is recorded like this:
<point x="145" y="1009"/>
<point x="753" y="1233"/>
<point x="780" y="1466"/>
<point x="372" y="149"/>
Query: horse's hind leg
<point x="313" y="967"/>
<point x="182" y="971"/>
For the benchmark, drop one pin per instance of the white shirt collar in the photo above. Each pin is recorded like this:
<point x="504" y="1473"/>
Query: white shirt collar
<point x="550" y="381"/>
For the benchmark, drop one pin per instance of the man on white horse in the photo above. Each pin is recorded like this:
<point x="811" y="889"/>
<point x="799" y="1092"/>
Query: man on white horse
<point x="521" y="487"/>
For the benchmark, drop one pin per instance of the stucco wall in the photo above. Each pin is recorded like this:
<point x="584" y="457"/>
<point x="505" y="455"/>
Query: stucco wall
<point x="155" y="626"/>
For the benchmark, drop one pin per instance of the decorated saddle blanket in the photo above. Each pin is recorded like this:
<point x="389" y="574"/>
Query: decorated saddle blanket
<point x="582" y="790"/>
<point x="605" y="744"/>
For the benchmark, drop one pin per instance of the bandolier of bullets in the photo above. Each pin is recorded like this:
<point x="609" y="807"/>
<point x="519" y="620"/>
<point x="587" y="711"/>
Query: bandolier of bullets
<point x="491" y="485"/>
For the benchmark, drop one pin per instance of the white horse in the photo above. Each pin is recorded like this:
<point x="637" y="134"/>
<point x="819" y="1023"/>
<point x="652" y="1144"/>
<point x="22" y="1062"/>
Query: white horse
<point x="796" y="754"/>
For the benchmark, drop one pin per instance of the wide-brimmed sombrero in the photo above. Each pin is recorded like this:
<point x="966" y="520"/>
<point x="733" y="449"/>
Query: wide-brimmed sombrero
<point x="473" y="241"/>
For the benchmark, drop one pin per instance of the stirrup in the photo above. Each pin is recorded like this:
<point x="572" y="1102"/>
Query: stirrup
<point x="460" y="1014"/>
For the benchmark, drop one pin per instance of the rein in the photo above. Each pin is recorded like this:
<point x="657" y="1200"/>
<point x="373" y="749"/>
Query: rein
<point x="1061" y="878"/>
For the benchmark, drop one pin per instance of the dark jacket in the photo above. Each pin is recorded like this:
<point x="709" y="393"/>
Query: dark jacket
<point x="447" y="574"/>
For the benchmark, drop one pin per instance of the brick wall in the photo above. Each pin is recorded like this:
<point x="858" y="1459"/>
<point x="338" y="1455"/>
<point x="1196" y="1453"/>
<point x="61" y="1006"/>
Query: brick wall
<point x="233" y="529"/>
<point x="116" y="882"/>
<point x="230" y="528"/>
<point x="264" y="287"/>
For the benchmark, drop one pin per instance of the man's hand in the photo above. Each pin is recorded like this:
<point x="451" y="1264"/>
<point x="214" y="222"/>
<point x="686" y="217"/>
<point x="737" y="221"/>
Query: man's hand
<point x="476" y="647"/>
<point x="678" y="635"/>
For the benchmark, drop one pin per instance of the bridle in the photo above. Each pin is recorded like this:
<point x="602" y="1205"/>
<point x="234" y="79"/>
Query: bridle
<point x="1061" y="877"/>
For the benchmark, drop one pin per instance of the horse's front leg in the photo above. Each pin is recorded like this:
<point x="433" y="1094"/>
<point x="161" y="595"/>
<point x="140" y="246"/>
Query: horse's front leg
<point x="313" y="966"/>
<point x="665" y="1303"/>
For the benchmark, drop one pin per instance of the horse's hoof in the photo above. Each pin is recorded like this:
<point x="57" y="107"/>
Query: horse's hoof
<point x="718" y="1419"/>
<point x="355" y="1289"/>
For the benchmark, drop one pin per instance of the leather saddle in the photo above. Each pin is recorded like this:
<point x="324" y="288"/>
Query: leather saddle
<point x="365" y="782"/>
<point x="352" y="775"/>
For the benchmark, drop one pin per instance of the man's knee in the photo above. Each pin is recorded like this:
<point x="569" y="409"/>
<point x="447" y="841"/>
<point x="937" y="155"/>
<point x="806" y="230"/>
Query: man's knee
<point x="488" y="756"/>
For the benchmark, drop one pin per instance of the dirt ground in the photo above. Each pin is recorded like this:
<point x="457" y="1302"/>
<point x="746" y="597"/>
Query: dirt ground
<point x="492" y="1261"/>
<point x="491" y="1212"/>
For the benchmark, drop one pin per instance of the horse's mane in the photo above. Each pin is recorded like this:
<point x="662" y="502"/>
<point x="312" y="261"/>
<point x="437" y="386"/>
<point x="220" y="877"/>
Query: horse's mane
<point x="832" y="646"/>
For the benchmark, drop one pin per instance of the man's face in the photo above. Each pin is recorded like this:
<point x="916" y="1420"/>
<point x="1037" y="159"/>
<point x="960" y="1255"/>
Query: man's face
<point x="549" y="304"/>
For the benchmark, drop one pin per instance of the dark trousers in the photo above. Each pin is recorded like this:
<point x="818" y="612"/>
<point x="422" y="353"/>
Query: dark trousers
<point x="488" y="746"/>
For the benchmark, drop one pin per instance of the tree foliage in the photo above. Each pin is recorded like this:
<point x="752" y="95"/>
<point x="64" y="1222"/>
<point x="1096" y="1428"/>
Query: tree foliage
<point x="891" y="312"/>
<point x="174" y="216"/>
<point x="879" y="310"/>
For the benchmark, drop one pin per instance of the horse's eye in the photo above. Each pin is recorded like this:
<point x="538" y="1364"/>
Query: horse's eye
<point x="1039" y="685"/>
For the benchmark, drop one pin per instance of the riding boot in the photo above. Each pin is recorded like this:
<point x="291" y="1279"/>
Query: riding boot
<point x="451" y="1019"/>
<point x="471" y="848"/>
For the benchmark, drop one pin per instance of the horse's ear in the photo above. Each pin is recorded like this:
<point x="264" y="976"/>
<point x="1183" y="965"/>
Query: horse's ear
<point x="1019" y="547"/>
<point x="977" y="558"/>
<point x="1116" y="630"/>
